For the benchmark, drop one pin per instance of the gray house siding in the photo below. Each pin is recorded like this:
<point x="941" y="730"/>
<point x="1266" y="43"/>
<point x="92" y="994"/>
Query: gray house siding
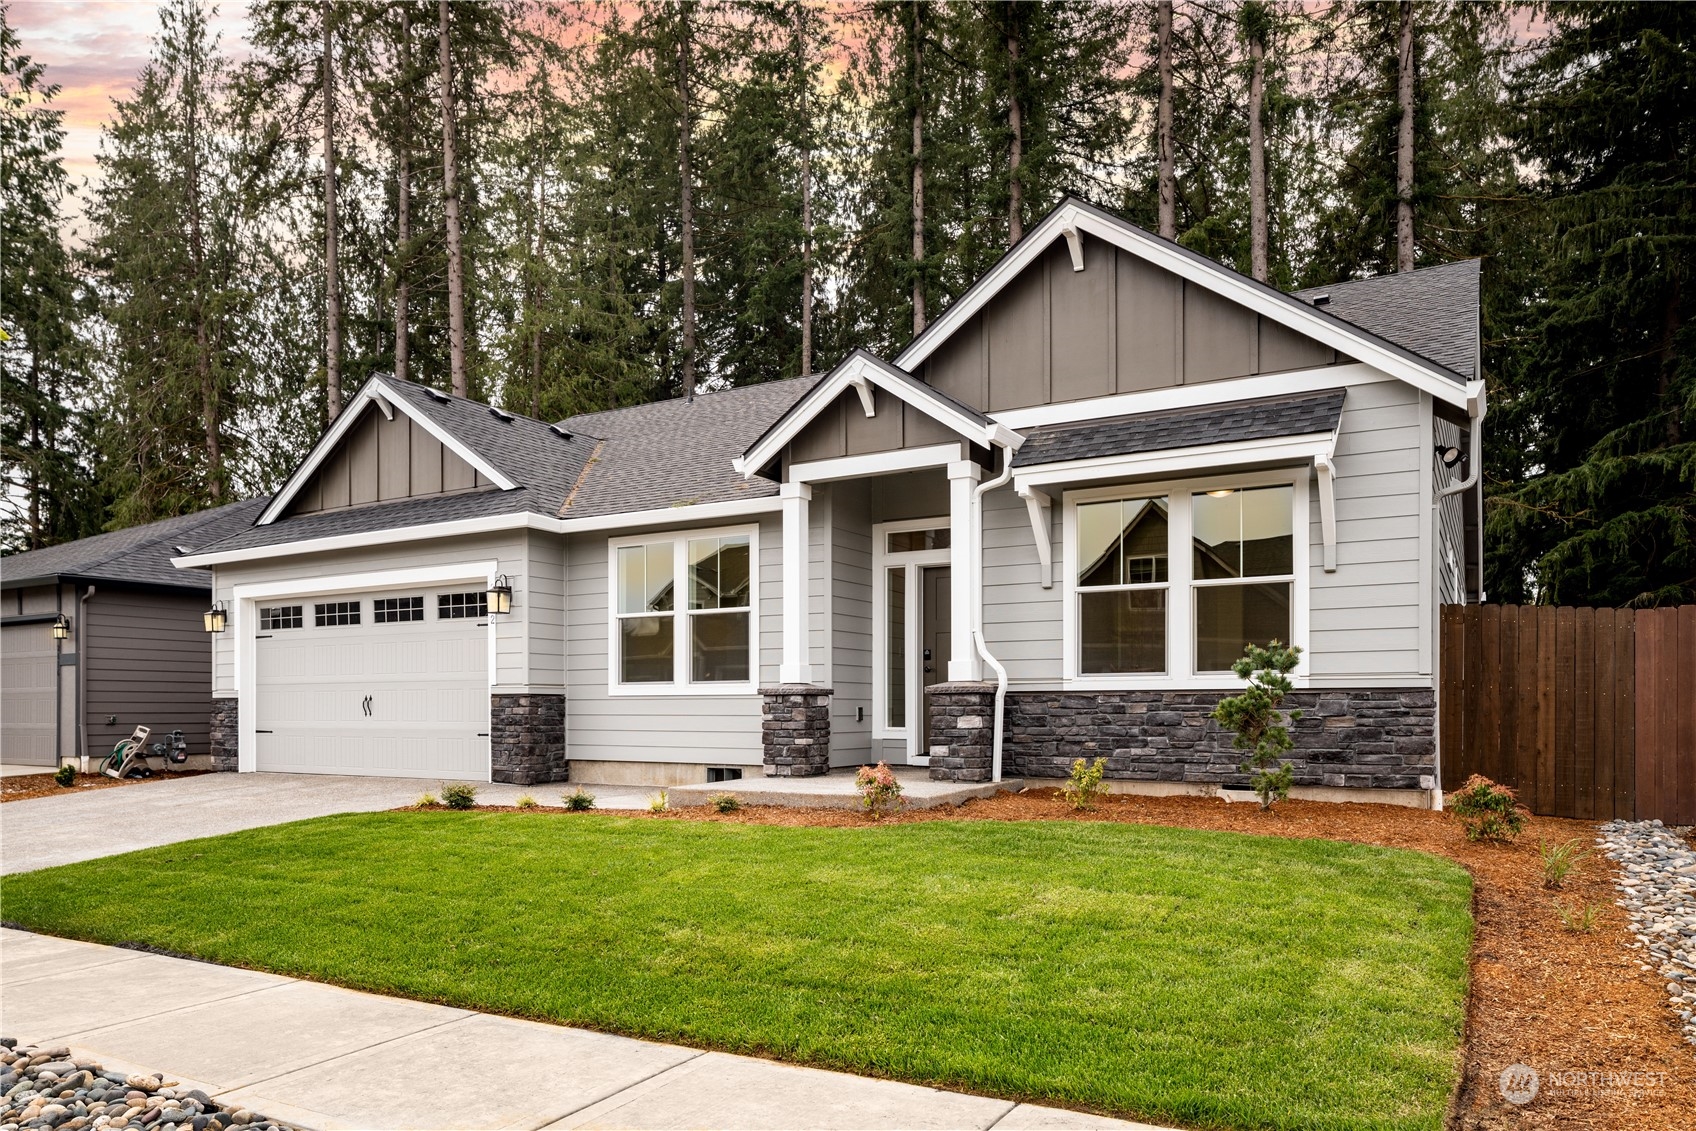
<point x="1121" y="325"/>
<point x="844" y="429"/>
<point x="380" y="460"/>
<point x="146" y="661"/>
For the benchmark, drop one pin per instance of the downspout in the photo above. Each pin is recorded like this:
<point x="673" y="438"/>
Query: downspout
<point x="977" y="603"/>
<point x="58" y="674"/>
<point x="1474" y="470"/>
<point x="82" y="676"/>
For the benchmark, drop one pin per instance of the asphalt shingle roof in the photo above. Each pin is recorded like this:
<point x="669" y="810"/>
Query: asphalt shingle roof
<point x="137" y="555"/>
<point x="1265" y="418"/>
<point x="1432" y="311"/>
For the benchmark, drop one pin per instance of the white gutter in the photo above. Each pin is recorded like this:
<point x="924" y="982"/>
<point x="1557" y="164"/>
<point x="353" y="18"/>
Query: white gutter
<point x="978" y="493"/>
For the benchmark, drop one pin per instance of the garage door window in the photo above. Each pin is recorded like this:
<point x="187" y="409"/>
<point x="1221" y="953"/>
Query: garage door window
<point x="698" y="640"/>
<point x="279" y="616"/>
<point x="462" y="606"/>
<point x="333" y="613"/>
<point x="397" y="610"/>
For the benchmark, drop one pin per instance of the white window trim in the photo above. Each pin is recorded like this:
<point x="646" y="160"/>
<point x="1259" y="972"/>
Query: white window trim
<point x="681" y="684"/>
<point x="1180" y="611"/>
<point x="915" y="561"/>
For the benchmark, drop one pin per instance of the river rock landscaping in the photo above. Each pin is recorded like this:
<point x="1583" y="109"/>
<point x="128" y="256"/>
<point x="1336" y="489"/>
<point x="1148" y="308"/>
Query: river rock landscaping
<point x="1657" y="886"/>
<point x="50" y="1088"/>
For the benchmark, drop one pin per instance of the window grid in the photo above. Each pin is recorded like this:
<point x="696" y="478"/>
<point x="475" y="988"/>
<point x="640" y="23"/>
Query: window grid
<point x="330" y="614"/>
<point x="280" y="616"/>
<point x="703" y="640"/>
<point x="462" y="606"/>
<point x="397" y="610"/>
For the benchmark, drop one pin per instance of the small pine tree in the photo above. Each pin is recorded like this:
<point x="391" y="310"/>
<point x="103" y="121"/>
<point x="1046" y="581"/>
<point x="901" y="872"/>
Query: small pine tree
<point x="1254" y="716"/>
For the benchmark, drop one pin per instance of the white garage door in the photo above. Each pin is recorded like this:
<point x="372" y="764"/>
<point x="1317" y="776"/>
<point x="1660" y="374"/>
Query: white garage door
<point x="390" y="684"/>
<point x="31" y="665"/>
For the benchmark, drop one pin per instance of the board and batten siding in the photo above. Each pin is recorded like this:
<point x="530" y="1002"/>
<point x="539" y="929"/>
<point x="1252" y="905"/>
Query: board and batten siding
<point x="535" y="595"/>
<point x="381" y="459"/>
<point x="1363" y="620"/>
<point x="709" y="728"/>
<point x="146" y="661"/>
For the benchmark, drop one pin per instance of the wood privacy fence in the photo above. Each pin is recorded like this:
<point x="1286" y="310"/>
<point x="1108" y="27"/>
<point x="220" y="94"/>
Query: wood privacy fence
<point x="1587" y="713"/>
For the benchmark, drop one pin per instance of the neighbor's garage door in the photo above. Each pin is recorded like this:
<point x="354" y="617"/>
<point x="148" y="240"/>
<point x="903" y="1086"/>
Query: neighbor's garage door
<point x="31" y="666"/>
<point x="390" y="684"/>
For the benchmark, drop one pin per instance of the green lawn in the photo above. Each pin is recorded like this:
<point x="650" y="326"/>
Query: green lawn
<point x="1202" y="978"/>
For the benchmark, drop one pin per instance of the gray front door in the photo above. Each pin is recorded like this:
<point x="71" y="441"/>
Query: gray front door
<point x="935" y="637"/>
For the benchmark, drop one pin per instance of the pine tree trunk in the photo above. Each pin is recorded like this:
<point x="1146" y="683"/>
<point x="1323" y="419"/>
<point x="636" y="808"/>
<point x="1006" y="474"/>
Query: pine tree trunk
<point x="535" y="298"/>
<point x="450" y="200"/>
<point x="806" y="194"/>
<point x="686" y="210"/>
<point x="917" y="51"/>
<point x="332" y="270"/>
<point x="403" y="204"/>
<point x="1257" y="161"/>
<point x="1404" y="142"/>
<point x="1015" y="154"/>
<point x="210" y="406"/>
<point x="35" y="454"/>
<point x="1163" y="128"/>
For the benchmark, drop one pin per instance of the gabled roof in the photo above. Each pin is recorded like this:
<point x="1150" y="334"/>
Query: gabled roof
<point x="1431" y="310"/>
<point x="136" y="555"/>
<point x="862" y="370"/>
<point x="1265" y="418"/>
<point x="1073" y="216"/>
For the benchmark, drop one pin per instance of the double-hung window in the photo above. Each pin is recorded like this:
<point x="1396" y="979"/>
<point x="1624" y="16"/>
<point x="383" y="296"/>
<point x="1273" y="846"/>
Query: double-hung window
<point x="1174" y="582"/>
<point x="698" y="634"/>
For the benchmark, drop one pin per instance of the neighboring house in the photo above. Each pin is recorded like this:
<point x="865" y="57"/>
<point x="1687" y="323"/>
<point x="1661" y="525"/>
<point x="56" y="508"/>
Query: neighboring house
<point x="1102" y="471"/>
<point x="131" y="646"/>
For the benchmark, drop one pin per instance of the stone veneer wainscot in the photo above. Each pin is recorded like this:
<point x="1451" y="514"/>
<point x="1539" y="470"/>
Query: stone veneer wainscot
<point x="527" y="739"/>
<point x="226" y="734"/>
<point x="795" y="730"/>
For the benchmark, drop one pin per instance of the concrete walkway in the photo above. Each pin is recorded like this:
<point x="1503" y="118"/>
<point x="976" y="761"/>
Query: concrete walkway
<point x="836" y="790"/>
<point x="325" y="1057"/>
<point x="46" y="831"/>
<point x="13" y="770"/>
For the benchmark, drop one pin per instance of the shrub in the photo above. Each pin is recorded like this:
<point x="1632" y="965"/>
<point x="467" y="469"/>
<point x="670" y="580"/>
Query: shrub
<point x="1253" y="715"/>
<point x="427" y="801"/>
<point x="880" y="792"/>
<point x="1559" y="860"/>
<point x="525" y="802"/>
<point x="459" y="795"/>
<point x="658" y="803"/>
<point x="1581" y="920"/>
<point x="1083" y="788"/>
<point x="579" y="800"/>
<point x="1487" y="810"/>
<point x="65" y="775"/>
<point x="725" y="802"/>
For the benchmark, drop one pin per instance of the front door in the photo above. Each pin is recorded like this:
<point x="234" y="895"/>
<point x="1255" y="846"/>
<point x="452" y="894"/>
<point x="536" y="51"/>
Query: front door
<point x="935" y="637"/>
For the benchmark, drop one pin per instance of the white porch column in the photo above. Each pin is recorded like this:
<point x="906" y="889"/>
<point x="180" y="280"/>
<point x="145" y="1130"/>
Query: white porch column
<point x="963" y="552"/>
<point x="795" y="668"/>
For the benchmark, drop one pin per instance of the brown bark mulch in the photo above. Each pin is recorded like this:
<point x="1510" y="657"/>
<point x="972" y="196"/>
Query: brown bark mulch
<point x="1574" y="1005"/>
<point x="25" y="786"/>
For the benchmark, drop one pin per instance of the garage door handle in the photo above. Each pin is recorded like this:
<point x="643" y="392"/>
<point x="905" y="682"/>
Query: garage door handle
<point x="368" y="706"/>
<point x="264" y="732"/>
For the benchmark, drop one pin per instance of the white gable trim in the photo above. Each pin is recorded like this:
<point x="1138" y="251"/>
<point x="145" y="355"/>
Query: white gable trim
<point x="858" y="372"/>
<point x="373" y="393"/>
<point x="1075" y="216"/>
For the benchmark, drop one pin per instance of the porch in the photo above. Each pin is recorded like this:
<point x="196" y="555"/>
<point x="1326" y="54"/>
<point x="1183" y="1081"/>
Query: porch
<point x="836" y="790"/>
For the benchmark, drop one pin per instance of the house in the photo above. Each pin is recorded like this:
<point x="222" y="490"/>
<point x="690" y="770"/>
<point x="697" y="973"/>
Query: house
<point x="103" y="634"/>
<point x="1065" y="507"/>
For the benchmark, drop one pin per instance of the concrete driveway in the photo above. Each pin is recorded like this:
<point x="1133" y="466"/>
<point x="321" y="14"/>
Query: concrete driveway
<point x="47" y="831"/>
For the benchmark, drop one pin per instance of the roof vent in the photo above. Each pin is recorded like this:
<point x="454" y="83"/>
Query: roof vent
<point x="558" y="431"/>
<point x="501" y="414"/>
<point x="1322" y="300"/>
<point x="438" y="395"/>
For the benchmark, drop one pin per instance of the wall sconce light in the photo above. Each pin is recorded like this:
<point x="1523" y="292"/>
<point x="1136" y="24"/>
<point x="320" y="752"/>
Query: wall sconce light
<point x="1449" y="454"/>
<point x="215" y="617"/>
<point x="500" y="595"/>
<point x="61" y="627"/>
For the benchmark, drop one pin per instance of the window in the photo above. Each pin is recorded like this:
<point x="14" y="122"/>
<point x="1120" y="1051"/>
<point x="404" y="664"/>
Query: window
<point x="462" y="606"/>
<point x="332" y="613"/>
<point x="280" y="616"/>
<point x="908" y="541"/>
<point x="705" y="640"/>
<point x="397" y="610"/>
<point x="1122" y="586"/>
<point x="896" y="635"/>
<point x="1175" y="582"/>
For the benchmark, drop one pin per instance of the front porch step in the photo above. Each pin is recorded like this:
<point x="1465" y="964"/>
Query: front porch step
<point x="836" y="790"/>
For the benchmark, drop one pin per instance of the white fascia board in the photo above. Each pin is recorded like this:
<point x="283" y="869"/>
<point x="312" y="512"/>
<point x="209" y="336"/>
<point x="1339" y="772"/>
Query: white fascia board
<point x="521" y="520"/>
<point x="1282" y="449"/>
<point x="1193" y="396"/>
<point x="874" y="463"/>
<point x="858" y="371"/>
<point x="1220" y="280"/>
<point x="372" y="391"/>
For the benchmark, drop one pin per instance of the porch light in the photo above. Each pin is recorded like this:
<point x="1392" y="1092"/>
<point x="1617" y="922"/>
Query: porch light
<point x="214" y="617"/>
<point x="1449" y="454"/>
<point x="500" y="595"/>
<point x="61" y="627"/>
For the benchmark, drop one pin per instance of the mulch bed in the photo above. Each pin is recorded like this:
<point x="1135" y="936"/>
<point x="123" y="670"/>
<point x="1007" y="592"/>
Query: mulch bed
<point x="26" y="786"/>
<point x="1574" y="1005"/>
